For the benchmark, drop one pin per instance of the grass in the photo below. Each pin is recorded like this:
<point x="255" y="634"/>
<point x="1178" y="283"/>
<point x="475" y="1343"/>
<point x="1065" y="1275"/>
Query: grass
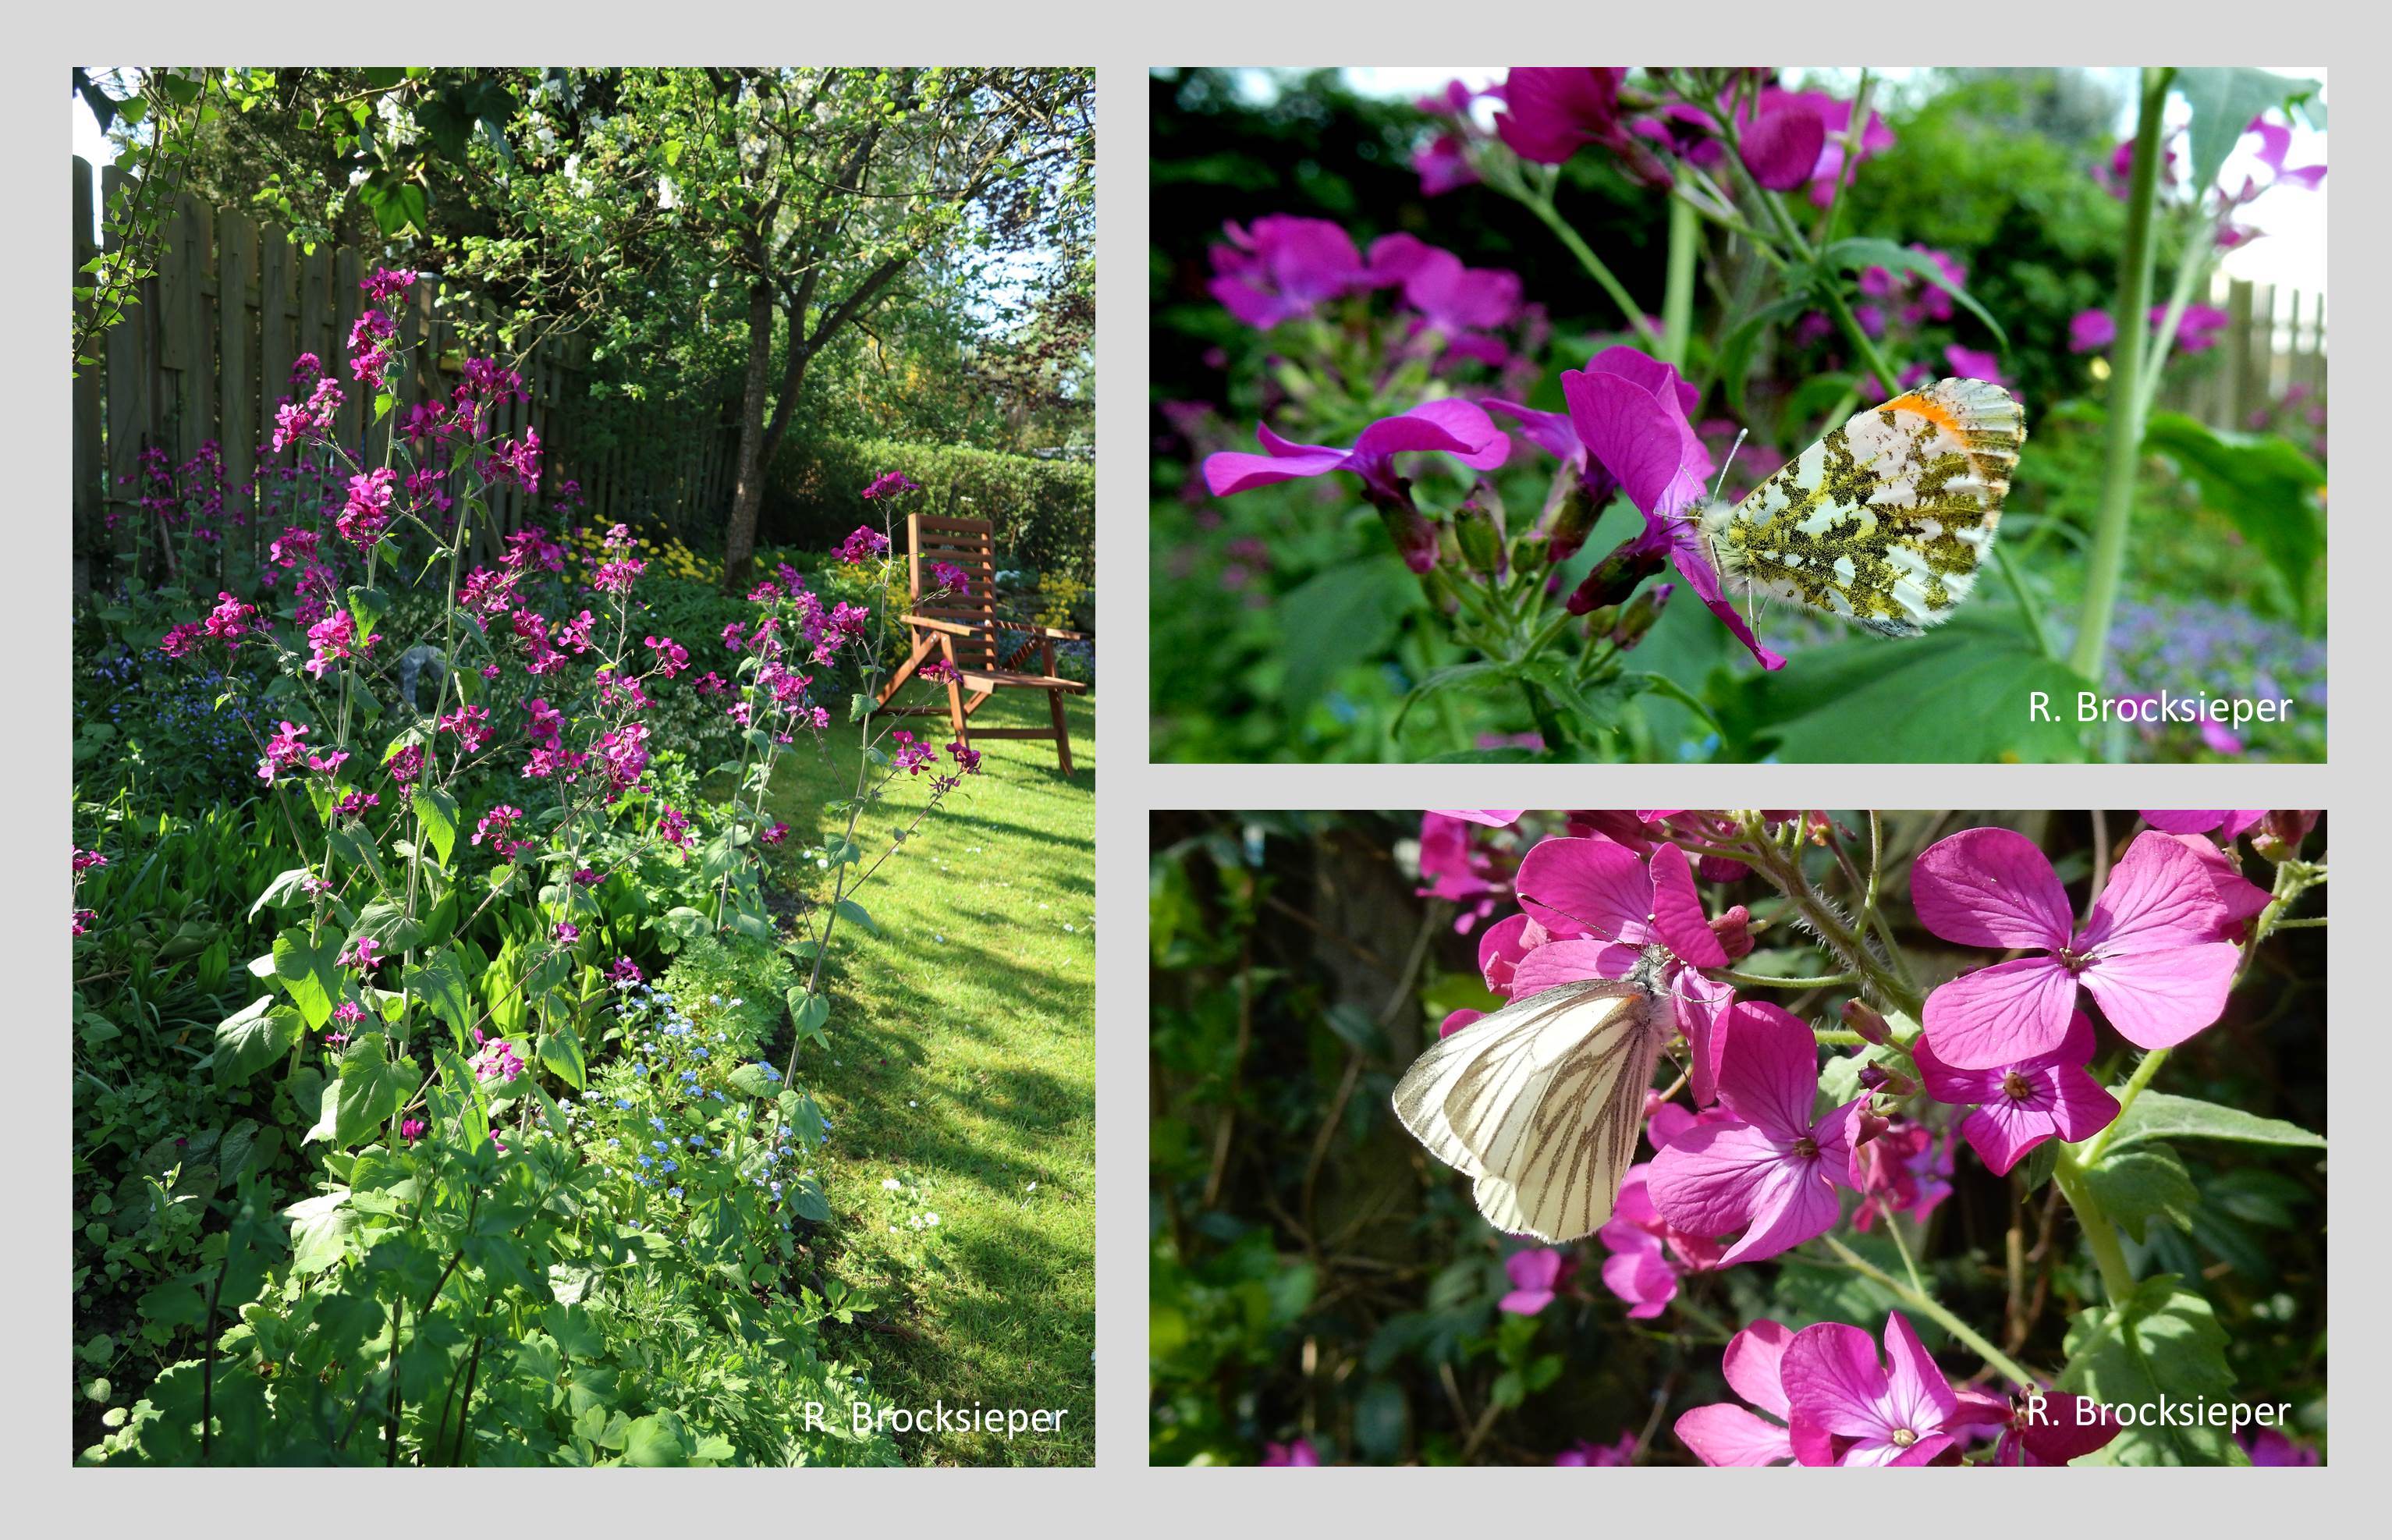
<point x="963" y="1068"/>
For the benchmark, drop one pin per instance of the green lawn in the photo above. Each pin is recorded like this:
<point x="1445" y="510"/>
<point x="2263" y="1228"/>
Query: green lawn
<point x="963" y="1068"/>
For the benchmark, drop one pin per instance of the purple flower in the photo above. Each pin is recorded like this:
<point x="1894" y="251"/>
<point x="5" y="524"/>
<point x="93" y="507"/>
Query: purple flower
<point x="1726" y="1433"/>
<point x="1285" y="267"/>
<point x="2148" y="952"/>
<point x="1550" y="114"/>
<point x="1970" y="364"/>
<point x="2044" y="1427"/>
<point x="1454" y="298"/>
<point x="2091" y="330"/>
<point x="1443" y="166"/>
<point x="1769" y="1170"/>
<point x="2018" y="1105"/>
<point x="1297" y="1452"/>
<point x="2198" y="329"/>
<point x="1583" y="1452"/>
<point x="2228" y="825"/>
<point x="1850" y="1409"/>
<point x="863" y="544"/>
<point x="1536" y="1273"/>
<point x="1782" y="146"/>
<point x="2275" y="142"/>
<point x="1457" y="428"/>
<point x="1835" y="117"/>
<point x="1631" y="411"/>
<point x="1566" y="524"/>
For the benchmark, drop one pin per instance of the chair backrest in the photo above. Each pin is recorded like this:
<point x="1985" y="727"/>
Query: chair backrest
<point x="966" y="543"/>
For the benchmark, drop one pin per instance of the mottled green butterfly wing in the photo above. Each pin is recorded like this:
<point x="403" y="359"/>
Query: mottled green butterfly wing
<point x="1883" y="520"/>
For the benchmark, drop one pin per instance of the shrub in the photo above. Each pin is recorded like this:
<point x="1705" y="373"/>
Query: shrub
<point x="1045" y="510"/>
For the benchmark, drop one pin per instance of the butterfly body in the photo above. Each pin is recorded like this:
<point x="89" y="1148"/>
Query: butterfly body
<point x="1885" y="520"/>
<point x="1542" y="1101"/>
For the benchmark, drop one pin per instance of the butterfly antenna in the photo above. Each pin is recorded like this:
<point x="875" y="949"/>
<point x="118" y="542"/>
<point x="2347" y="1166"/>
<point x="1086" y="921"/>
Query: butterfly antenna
<point x="1720" y="488"/>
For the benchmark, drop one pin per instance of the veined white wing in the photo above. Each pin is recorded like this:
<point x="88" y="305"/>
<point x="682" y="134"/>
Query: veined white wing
<point x="1542" y="1102"/>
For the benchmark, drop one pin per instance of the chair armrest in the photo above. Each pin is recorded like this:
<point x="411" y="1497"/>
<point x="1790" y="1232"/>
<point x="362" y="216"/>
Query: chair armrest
<point x="932" y="623"/>
<point x="1049" y="632"/>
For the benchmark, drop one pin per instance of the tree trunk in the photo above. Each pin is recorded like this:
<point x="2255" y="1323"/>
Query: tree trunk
<point x="748" y="493"/>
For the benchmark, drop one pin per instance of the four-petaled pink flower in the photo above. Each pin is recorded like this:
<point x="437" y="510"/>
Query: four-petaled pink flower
<point x="1583" y="1452"/>
<point x="1768" y="1171"/>
<point x="1726" y="1433"/>
<point x="1284" y="267"/>
<point x="2147" y="952"/>
<point x="1297" y="1452"/>
<point x="2018" y="1105"/>
<point x="1850" y="1409"/>
<point x="1538" y="1274"/>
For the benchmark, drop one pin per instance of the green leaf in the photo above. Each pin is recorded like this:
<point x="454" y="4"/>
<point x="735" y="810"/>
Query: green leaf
<point x="651" y="1443"/>
<point x="806" y="1198"/>
<point x="1492" y="674"/>
<point x="2144" y="1183"/>
<point x="562" y="1053"/>
<point x="369" y="1091"/>
<point x="439" y="982"/>
<point x="310" y="975"/>
<point x="439" y="811"/>
<point x="1962" y="693"/>
<point x="685" y="923"/>
<point x="853" y="913"/>
<point x="808" y="1013"/>
<point x="2262" y="483"/>
<point x="2162" y="1344"/>
<point x="255" y="1037"/>
<point x="1345" y="614"/>
<point x="2223" y="103"/>
<point x="1857" y="254"/>
<point x="281" y="890"/>
<point x="389" y="925"/>
<point x="319" y="1230"/>
<point x="751" y="1079"/>
<point x="2156" y="1115"/>
<point x="1736" y="349"/>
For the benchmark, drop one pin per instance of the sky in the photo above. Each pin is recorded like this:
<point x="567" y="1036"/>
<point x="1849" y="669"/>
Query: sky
<point x="2292" y="255"/>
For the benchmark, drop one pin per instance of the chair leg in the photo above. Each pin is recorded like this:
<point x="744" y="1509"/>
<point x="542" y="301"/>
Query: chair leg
<point x="1063" y="735"/>
<point x="955" y="693"/>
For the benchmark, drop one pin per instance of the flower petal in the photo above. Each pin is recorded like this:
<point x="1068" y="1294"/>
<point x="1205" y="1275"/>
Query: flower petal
<point x="1833" y="1381"/>
<point x="1769" y="1073"/>
<point x="1990" y="888"/>
<point x="1702" y="1006"/>
<point x="1641" y="439"/>
<point x="1793" y="1204"/>
<point x="1998" y="1016"/>
<point x="1783" y="146"/>
<point x="1677" y="913"/>
<point x="1709" y="1180"/>
<point x="1751" y="1363"/>
<point x="1921" y="1398"/>
<point x="2158" y="896"/>
<point x="1586" y="887"/>
<point x="1724" y="1433"/>
<point x="1458" y="427"/>
<point x="2158" y="998"/>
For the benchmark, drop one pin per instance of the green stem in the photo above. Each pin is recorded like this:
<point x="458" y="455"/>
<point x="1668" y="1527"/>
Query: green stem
<point x="2125" y="435"/>
<point x="1678" y="298"/>
<point x="2134" y="1087"/>
<point x="2035" y="625"/>
<point x="1924" y="1302"/>
<point x="1540" y="204"/>
<point x="2109" y="1255"/>
<point x="1762" y="980"/>
<point x="2192" y="268"/>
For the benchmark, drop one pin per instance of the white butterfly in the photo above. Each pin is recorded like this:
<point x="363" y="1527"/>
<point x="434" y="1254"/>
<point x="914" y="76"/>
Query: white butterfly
<point x="1884" y="520"/>
<point x="1542" y="1101"/>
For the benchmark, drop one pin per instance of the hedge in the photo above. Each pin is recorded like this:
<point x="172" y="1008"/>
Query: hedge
<point x="1045" y="510"/>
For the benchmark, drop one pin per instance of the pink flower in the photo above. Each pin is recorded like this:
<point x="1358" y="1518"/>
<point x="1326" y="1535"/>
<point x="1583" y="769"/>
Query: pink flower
<point x="1452" y="298"/>
<point x="412" y="1130"/>
<point x="2018" y="1105"/>
<point x="2148" y="952"/>
<point x="1768" y="1169"/>
<point x="1550" y="114"/>
<point x="863" y="544"/>
<point x="1726" y="1433"/>
<point x="1834" y="118"/>
<point x="2046" y="1426"/>
<point x="2229" y="825"/>
<point x="1901" y="1169"/>
<point x="1970" y="364"/>
<point x="1850" y="1409"/>
<point x="1444" y="164"/>
<point x="1648" y="1254"/>
<point x="1456" y="428"/>
<point x="1783" y="146"/>
<point x="2091" y="330"/>
<point x="1631" y="411"/>
<point x="1284" y="268"/>
<point x="1538" y="1274"/>
<point x="1457" y="868"/>
<point x="889" y="484"/>
<point x="1494" y="818"/>
<point x="1298" y="1452"/>
<point x="2269" y="1446"/>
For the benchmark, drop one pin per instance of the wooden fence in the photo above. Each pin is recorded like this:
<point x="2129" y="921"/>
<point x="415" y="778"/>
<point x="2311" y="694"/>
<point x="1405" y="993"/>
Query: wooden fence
<point x="2274" y="339"/>
<point x="206" y="355"/>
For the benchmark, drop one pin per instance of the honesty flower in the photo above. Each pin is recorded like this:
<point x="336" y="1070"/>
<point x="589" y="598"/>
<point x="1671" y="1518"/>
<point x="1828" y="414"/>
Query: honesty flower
<point x="2046" y="1426"/>
<point x="1583" y="1452"/>
<point x="2147" y="952"/>
<point x="2018" y="1105"/>
<point x="1299" y="1451"/>
<point x="1455" y="867"/>
<point x="1284" y="267"/>
<point x="2091" y="330"/>
<point x="1782" y="146"/>
<point x="1551" y="114"/>
<point x="1768" y="1171"/>
<point x="1726" y="1433"/>
<point x="1631" y="412"/>
<point x="1536" y="1273"/>
<point x="1454" y="298"/>
<point x="1648" y="1253"/>
<point x="1850" y="1409"/>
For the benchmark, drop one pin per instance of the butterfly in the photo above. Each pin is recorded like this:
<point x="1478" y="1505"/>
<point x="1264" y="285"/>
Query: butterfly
<point x="1883" y="520"/>
<point x="1542" y="1101"/>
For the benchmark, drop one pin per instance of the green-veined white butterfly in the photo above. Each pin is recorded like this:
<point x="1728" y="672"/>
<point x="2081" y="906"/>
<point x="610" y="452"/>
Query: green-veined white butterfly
<point x="1543" y="1100"/>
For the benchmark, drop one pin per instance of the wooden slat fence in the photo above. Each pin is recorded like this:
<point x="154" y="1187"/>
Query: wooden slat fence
<point x="207" y="352"/>
<point x="2275" y="338"/>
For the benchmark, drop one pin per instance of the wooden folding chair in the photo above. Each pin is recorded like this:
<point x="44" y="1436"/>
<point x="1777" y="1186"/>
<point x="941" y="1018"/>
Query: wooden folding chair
<point x="983" y="652"/>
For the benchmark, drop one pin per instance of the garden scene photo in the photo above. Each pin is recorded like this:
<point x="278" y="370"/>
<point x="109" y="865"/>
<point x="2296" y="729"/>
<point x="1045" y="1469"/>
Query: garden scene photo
<point x="584" y="896"/>
<point x="1739" y="1137"/>
<point x="1738" y="415"/>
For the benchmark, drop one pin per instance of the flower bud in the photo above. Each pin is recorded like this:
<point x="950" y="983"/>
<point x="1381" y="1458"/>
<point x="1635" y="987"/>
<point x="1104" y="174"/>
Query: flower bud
<point x="1867" y="1022"/>
<point x="1867" y="1125"/>
<point x="1734" y="932"/>
<point x="1480" y="533"/>
<point x="1599" y="622"/>
<point x="1582" y="500"/>
<point x="1615" y="577"/>
<point x="1638" y="615"/>
<point x="2279" y="835"/>
<point x="1414" y="535"/>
